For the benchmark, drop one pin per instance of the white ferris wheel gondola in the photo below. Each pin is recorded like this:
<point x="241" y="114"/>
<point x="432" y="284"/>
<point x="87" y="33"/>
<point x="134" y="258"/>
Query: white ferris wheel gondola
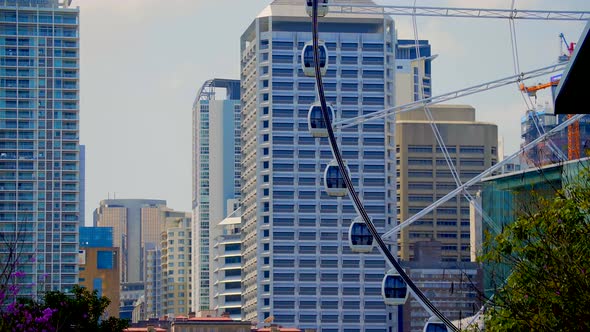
<point x="334" y="180"/>
<point x="394" y="289"/>
<point x="434" y="324"/>
<point x="322" y="7"/>
<point x="360" y="239"/>
<point x="307" y="62"/>
<point x="315" y="120"/>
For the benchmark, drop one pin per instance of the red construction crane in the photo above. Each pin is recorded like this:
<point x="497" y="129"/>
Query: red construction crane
<point x="569" y="46"/>
<point x="573" y="140"/>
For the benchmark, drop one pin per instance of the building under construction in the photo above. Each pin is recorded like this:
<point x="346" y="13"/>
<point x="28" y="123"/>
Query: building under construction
<point x="571" y="143"/>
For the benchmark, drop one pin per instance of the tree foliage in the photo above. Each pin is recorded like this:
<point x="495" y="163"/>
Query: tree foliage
<point x="80" y="310"/>
<point x="547" y="253"/>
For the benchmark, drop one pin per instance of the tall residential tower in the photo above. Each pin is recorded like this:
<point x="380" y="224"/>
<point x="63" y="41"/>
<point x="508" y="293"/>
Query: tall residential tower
<point x="39" y="140"/>
<point x="216" y="174"/>
<point x="298" y="269"/>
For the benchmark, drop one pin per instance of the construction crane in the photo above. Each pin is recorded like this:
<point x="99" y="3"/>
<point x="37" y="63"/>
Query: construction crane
<point x="573" y="133"/>
<point x="573" y="140"/>
<point x="532" y="90"/>
<point x="564" y="57"/>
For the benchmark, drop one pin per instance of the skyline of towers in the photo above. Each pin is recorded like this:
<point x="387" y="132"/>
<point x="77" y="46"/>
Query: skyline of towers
<point x="40" y="158"/>
<point x="44" y="136"/>
<point x="216" y="174"/>
<point x="297" y="266"/>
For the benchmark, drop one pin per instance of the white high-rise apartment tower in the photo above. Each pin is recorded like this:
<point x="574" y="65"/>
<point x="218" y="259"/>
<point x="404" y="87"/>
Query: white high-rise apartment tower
<point x="216" y="175"/>
<point x="39" y="142"/>
<point x="297" y="265"/>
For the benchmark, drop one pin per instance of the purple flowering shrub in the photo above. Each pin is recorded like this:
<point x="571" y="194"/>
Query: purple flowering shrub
<point x="78" y="310"/>
<point x="19" y="314"/>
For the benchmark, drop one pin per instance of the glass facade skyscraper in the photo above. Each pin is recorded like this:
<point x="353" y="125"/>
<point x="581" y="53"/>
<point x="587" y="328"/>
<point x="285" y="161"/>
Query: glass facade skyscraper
<point x="39" y="140"/>
<point x="216" y="175"/>
<point x="298" y="269"/>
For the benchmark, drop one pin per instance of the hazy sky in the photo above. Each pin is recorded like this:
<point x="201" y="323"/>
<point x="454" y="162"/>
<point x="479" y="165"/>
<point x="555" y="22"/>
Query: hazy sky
<point x="142" y="62"/>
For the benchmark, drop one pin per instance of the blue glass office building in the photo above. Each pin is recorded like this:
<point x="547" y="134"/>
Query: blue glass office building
<point x="39" y="140"/>
<point x="96" y="237"/>
<point x="298" y="269"/>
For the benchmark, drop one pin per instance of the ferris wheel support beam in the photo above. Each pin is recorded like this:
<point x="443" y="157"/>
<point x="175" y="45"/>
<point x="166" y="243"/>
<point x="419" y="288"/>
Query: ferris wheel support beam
<point x="524" y="14"/>
<point x="450" y="95"/>
<point x="478" y="178"/>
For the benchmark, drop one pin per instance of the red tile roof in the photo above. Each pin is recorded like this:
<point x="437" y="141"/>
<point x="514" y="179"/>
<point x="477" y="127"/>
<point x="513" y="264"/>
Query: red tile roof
<point x="211" y="319"/>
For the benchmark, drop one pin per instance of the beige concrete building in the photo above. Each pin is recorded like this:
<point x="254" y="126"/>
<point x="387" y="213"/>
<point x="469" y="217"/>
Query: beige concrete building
<point x="176" y="265"/>
<point x="424" y="176"/>
<point x="99" y="269"/>
<point x="135" y="222"/>
<point x="152" y="221"/>
<point x="410" y="79"/>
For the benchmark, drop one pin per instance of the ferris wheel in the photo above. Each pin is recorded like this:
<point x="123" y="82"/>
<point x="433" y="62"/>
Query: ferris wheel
<point x="363" y="235"/>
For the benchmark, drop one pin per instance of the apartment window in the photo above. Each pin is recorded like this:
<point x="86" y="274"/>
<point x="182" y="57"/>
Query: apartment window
<point x="472" y="162"/>
<point x="420" y="148"/>
<point x="473" y="149"/>
<point x="420" y="174"/>
<point x="447" y="235"/>
<point x="420" y="162"/>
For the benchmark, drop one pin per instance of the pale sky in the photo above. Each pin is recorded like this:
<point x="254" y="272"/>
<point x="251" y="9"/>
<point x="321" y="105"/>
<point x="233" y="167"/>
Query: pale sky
<point x="142" y="62"/>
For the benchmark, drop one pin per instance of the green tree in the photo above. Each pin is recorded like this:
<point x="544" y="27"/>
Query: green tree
<point x="547" y="253"/>
<point x="81" y="311"/>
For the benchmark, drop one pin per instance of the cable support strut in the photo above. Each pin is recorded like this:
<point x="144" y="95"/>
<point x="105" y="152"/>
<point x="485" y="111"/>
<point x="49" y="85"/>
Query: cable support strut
<point x="489" y="13"/>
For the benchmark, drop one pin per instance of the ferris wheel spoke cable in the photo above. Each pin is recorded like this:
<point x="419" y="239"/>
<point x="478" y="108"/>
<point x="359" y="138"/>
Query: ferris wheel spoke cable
<point x="349" y="185"/>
